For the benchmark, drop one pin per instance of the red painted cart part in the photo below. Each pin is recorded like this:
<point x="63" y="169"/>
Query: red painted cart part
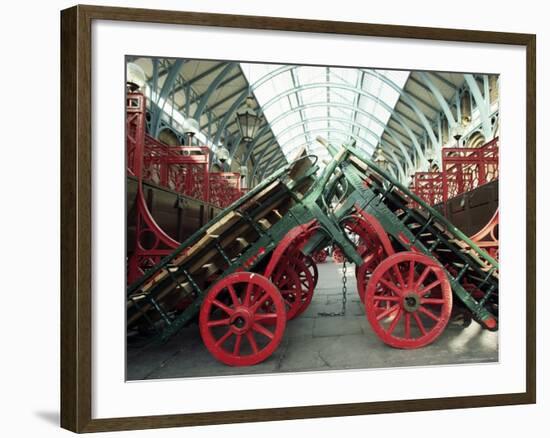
<point x="487" y="237"/>
<point x="418" y="299"/>
<point x="337" y="255"/>
<point x="288" y="282"/>
<point x="235" y="325"/>
<point x="307" y="282"/>
<point x="375" y="225"/>
<point x="320" y="256"/>
<point x="311" y="266"/>
<point x="369" y="246"/>
<point x="289" y="241"/>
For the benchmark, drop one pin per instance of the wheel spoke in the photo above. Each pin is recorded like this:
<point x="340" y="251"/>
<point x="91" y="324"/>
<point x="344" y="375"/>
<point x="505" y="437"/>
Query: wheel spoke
<point x="422" y="277"/>
<point x="259" y="302"/>
<point x="391" y="298"/>
<point x="237" y="346"/>
<point x="419" y="324"/>
<point x="429" y="287"/>
<point x="390" y="285"/>
<point x="429" y="313"/>
<point x="392" y="326"/>
<point x="432" y="301"/>
<point x="252" y="342"/>
<point x="397" y="272"/>
<point x="224" y="338"/>
<point x="233" y="294"/>
<point x="261" y="329"/>
<point x="218" y="322"/>
<point x="410" y="281"/>
<point x="265" y="316"/>
<point x="388" y="312"/>
<point x="407" y="325"/>
<point x="248" y="294"/>
<point x="222" y="306"/>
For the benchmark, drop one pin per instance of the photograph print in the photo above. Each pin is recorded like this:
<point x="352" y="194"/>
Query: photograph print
<point x="308" y="218"/>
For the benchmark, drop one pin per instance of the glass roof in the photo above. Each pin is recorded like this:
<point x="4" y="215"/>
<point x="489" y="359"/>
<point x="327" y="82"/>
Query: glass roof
<point x="338" y="104"/>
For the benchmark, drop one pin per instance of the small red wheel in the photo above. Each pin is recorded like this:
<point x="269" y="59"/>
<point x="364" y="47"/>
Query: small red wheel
<point x="419" y="296"/>
<point x="288" y="282"/>
<point x="320" y="256"/>
<point x="312" y="267"/>
<point x="307" y="283"/>
<point x="337" y="255"/>
<point x="234" y="322"/>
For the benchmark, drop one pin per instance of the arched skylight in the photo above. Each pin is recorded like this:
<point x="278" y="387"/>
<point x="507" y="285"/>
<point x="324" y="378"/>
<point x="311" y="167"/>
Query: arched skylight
<point x="339" y="104"/>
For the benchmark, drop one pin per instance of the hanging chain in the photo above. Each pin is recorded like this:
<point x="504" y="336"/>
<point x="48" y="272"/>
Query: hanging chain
<point x="344" y="286"/>
<point x="344" y="293"/>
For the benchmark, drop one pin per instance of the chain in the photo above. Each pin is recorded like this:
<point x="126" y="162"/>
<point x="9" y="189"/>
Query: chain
<point x="344" y="286"/>
<point x="344" y="293"/>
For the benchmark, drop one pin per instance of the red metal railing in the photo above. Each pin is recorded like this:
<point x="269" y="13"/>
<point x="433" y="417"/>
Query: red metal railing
<point x="428" y="186"/>
<point x="183" y="169"/>
<point x="464" y="169"/>
<point x="225" y="188"/>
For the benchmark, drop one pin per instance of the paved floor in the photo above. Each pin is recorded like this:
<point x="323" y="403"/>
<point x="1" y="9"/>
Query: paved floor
<point x="314" y="343"/>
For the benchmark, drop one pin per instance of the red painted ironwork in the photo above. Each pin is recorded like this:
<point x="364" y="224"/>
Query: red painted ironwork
<point x="417" y="296"/>
<point x="225" y="188"/>
<point x="464" y="169"/>
<point x="183" y="169"/>
<point x="242" y="319"/>
<point x="428" y="186"/>
<point x="151" y="243"/>
<point x="487" y="237"/>
<point x="135" y="133"/>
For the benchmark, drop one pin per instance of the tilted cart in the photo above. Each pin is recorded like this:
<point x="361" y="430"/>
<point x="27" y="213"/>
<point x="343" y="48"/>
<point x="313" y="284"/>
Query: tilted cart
<point x="243" y="273"/>
<point x="414" y="261"/>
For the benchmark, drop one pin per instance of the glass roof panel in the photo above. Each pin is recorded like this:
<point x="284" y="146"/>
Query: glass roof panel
<point x="339" y="104"/>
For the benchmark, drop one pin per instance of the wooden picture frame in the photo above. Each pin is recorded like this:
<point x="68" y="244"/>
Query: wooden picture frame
<point x="76" y="222"/>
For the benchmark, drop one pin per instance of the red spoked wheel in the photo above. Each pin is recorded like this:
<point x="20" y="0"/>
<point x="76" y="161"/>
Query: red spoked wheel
<point x="368" y="241"/>
<point x="287" y="281"/>
<point x="307" y="283"/>
<point x="235" y="325"/>
<point x="311" y="266"/>
<point x="320" y="256"/>
<point x="371" y="249"/>
<point x="337" y="255"/>
<point x="417" y="297"/>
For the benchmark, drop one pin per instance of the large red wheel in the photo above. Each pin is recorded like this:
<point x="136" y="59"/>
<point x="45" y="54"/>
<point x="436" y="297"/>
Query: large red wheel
<point x="418" y="297"/>
<point x="235" y="325"/>
<point x="369" y="246"/>
<point x="307" y="283"/>
<point x="287" y="281"/>
<point x="311" y="266"/>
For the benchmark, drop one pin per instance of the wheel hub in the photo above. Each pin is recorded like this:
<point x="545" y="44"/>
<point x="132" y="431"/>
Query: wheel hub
<point x="240" y="321"/>
<point x="411" y="302"/>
